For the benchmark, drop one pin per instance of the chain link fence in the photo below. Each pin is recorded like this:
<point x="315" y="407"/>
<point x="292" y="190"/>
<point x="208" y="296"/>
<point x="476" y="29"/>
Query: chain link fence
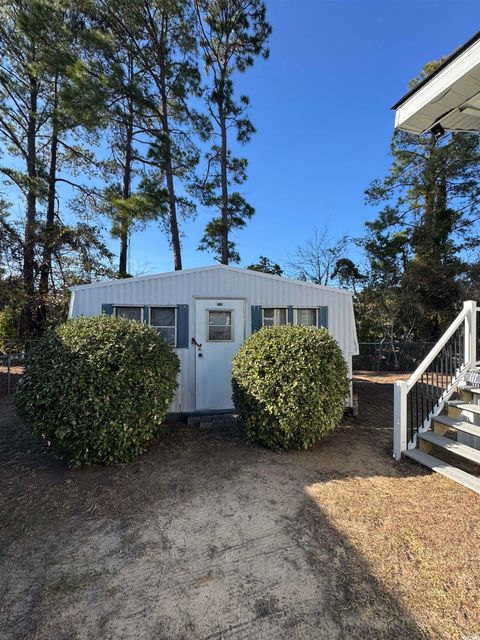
<point x="11" y="369"/>
<point x="391" y="356"/>
<point x="373" y="356"/>
<point x="12" y="361"/>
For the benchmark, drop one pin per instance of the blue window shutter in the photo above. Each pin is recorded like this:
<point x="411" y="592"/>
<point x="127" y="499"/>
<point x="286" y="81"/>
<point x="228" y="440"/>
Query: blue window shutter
<point x="107" y="309"/>
<point x="323" y="317"/>
<point x="289" y="315"/>
<point x="256" y="317"/>
<point x="146" y="315"/>
<point x="182" y="326"/>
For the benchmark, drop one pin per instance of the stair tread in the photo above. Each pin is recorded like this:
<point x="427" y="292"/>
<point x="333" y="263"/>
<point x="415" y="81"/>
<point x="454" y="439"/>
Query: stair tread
<point x="461" y="405"/>
<point x="459" y="449"/>
<point x="458" y="425"/>
<point x="445" y="469"/>
<point x="469" y="388"/>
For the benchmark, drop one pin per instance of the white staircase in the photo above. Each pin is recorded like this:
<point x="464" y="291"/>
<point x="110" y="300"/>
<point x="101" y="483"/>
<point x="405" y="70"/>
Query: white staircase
<point x="437" y="410"/>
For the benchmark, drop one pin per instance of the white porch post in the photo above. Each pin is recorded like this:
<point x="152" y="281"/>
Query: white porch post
<point x="471" y="333"/>
<point x="400" y="418"/>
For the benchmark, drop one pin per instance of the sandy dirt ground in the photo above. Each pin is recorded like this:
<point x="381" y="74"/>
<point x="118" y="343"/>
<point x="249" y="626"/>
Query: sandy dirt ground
<point x="207" y="537"/>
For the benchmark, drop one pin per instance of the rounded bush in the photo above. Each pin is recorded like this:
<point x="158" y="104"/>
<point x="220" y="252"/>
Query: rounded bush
<point x="289" y="386"/>
<point x="98" y="388"/>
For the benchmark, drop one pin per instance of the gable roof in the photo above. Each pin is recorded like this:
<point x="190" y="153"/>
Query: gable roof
<point x="215" y="267"/>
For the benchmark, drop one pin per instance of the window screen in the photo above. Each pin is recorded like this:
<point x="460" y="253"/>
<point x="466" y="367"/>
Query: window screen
<point x="164" y="319"/>
<point x="306" y="317"/>
<point x="131" y="313"/>
<point x="220" y="325"/>
<point x="274" y="316"/>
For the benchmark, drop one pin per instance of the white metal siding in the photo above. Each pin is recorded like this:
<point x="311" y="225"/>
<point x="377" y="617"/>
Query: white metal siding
<point x="218" y="282"/>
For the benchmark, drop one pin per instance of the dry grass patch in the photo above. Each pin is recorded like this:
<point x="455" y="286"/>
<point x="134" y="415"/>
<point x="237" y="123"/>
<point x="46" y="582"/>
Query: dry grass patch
<point x="420" y="536"/>
<point x="418" y="531"/>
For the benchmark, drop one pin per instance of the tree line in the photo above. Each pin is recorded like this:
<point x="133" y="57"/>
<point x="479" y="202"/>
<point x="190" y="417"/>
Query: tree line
<point x="421" y="250"/>
<point x="122" y="111"/>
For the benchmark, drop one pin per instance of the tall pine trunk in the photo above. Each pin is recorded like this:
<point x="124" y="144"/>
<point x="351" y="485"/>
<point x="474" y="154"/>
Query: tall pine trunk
<point x="31" y="214"/>
<point x="49" y="237"/>
<point x="224" y="181"/>
<point x="126" y="189"/>
<point x="168" y="164"/>
<point x="172" y="203"/>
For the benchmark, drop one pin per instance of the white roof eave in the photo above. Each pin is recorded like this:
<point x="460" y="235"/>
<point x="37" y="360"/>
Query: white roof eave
<point x="443" y="98"/>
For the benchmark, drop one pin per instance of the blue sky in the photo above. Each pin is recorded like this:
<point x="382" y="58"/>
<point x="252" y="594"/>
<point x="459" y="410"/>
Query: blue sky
<point x="321" y="106"/>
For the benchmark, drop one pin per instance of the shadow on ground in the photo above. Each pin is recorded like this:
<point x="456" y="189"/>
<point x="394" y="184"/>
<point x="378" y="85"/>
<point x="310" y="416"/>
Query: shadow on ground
<point x="207" y="537"/>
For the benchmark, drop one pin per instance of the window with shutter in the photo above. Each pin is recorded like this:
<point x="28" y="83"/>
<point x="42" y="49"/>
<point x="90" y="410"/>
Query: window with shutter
<point x="129" y="312"/>
<point x="274" y="316"/>
<point x="164" y="320"/>
<point x="305" y="317"/>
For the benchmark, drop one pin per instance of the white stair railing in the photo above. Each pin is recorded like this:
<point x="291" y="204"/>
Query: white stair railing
<point x="422" y="396"/>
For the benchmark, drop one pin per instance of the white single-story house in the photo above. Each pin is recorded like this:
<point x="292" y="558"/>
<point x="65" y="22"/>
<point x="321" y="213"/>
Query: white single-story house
<point x="208" y="312"/>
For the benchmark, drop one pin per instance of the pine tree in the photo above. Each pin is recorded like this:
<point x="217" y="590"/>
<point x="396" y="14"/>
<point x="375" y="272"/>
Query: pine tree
<point x="22" y="95"/>
<point x="124" y="108"/>
<point x="232" y="34"/>
<point x="265" y="265"/>
<point x="40" y="45"/>
<point x="160" y="34"/>
<point x="420" y="244"/>
<point x="67" y="36"/>
<point x="33" y="60"/>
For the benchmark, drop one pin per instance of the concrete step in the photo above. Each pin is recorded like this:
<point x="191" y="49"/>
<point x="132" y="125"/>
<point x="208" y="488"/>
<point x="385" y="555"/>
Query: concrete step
<point x="462" y="450"/>
<point x="218" y="424"/>
<point x="464" y="406"/>
<point x="197" y="419"/>
<point x="445" y="469"/>
<point x="458" y="425"/>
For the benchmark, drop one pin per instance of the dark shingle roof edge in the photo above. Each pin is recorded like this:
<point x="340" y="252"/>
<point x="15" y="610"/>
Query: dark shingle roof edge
<point x="458" y="52"/>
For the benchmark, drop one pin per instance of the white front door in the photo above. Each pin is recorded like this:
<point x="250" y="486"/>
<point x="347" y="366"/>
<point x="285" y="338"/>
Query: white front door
<point x="219" y="332"/>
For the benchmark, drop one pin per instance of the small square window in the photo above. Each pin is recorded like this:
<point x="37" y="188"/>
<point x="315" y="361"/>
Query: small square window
<point x="164" y="320"/>
<point x="220" y="326"/>
<point x="306" y="317"/>
<point x="273" y="317"/>
<point x="130" y="313"/>
<point x="162" y="316"/>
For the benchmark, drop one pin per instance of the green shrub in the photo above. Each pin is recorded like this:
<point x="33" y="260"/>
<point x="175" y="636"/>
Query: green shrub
<point x="98" y="388"/>
<point x="289" y="386"/>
